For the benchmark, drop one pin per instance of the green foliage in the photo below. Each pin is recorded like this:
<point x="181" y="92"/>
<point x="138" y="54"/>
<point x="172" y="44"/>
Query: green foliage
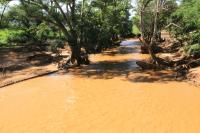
<point x="4" y="36"/>
<point x="135" y="30"/>
<point x="136" y="25"/>
<point x="17" y="37"/>
<point x="145" y="17"/>
<point x="164" y="17"/>
<point x="193" y="50"/>
<point x="94" y="24"/>
<point x="104" y="22"/>
<point x="8" y="35"/>
<point x="195" y="36"/>
<point x="40" y="32"/>
<point x="187" y="16"/>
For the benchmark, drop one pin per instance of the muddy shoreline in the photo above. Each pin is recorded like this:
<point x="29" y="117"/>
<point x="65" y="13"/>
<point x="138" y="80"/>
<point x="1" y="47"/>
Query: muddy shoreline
<point x="38" y="71"/>
<point x="194" y="76"/>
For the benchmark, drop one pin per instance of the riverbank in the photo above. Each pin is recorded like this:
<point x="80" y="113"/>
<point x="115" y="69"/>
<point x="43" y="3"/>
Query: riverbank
<point x="30" y="71"/>
<point x="194" y="76"/>
<point x="17" y="65"/>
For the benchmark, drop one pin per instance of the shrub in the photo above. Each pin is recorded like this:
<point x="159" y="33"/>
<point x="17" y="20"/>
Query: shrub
<point x="8" y="36"/>
<point x="187" y="16"/>
<point x="195" y="36"/>
<point x="17" y="37"/>
<point x="4" y="33"/>
<point x="193" y="50"/>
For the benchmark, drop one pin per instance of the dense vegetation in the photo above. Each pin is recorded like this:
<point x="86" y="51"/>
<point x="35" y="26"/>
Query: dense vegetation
<point x="93" y="25"/>
<point x="180" y="20"/>
<point x="187" y="16"/>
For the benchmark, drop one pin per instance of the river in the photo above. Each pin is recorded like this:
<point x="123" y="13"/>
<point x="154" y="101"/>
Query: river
<point x="109" y="96"/>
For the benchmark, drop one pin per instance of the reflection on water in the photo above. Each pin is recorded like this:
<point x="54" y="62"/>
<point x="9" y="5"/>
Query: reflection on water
<point x="130" y="42"/>
<point x="109" y="96"/>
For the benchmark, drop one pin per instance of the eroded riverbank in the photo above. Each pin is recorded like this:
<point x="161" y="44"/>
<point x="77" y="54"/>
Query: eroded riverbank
<point x="110" y="96"/>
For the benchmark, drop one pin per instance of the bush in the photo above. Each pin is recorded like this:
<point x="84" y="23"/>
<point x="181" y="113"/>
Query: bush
<point x="195" y="37"/>
<point x="187" y="16"/>
<point x="12" y="35"/>
<point x="193" y="50"/>
<point x="4" y="33"/>
<point x="17" y="37"/>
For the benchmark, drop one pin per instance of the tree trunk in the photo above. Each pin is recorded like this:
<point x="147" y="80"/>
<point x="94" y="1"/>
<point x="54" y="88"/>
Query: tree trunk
<point x="76" y="54"/>
<point x="155" y="30"/>
<point x="142" y="22"/>
<point x="82" y="26"/>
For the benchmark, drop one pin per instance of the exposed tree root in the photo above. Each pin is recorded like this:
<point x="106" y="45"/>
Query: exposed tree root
<point x="70" y="62"/>
<point x="181" y="67"/>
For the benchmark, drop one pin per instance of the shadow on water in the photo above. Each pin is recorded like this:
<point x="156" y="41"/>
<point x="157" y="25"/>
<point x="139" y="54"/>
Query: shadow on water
<point x="125" y="68"/>
<point x="152" y="76"/>
<point x="106" y="69"/>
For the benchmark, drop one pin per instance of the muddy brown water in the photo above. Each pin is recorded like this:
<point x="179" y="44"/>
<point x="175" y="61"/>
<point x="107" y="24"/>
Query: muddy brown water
<point x="110" y="96"/>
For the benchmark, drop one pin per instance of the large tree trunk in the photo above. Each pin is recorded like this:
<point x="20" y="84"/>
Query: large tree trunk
<point x="78" y="56"/>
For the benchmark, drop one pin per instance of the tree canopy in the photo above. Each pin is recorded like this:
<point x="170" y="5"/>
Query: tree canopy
<point x="91" y="24"/>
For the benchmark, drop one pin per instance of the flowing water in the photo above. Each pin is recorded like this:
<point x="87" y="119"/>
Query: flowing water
<point x="109" y="96"/>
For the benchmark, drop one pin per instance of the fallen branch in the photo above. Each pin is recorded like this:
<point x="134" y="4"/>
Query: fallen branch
<point x="173" y="24"/>
<point x="27" y="78"/>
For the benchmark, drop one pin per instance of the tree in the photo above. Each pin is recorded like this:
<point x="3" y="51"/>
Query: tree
<point x="51" y="11"/>
<point x="4" y="4"/>
<point x="187" y="17"/>
<point x="150" y="22"/>
<point x="83" y="22"/>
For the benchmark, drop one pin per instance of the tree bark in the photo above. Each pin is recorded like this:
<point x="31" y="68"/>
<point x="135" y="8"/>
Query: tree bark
<point x="75" y="54"/>
<point x="144" y="40"/>
<point x="155" y="30"/>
